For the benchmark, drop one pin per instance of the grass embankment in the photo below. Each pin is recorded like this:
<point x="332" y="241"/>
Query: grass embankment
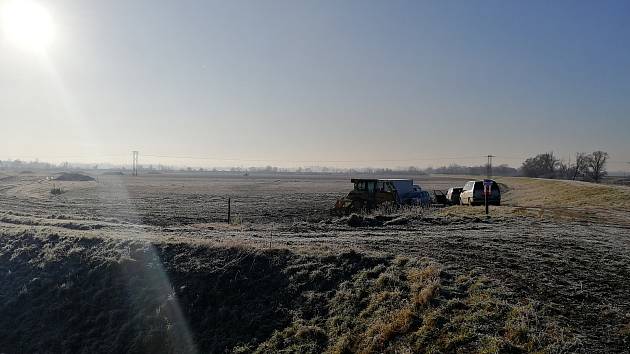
<point x="71" y="294"/>
<point x="560" y="193"/>
<point x="557" y="200"/>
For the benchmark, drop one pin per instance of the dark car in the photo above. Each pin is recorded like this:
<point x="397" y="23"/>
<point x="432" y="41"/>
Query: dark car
<point x="425" y="199"/>
<point x="472" y="194"/>
<point x="452" y="196"/>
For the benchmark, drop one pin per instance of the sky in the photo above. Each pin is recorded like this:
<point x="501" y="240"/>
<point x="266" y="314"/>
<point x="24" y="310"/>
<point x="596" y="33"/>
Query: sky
<point x="336" y="83"/>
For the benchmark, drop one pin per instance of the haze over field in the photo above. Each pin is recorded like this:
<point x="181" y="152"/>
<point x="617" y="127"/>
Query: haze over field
<point x="332" y="83"/>
<point x="314" y="176"/>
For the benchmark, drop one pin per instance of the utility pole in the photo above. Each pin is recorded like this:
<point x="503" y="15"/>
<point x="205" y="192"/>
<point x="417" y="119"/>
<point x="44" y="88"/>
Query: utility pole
<point x="489" y="166"/>
<point x="134" y="171"/>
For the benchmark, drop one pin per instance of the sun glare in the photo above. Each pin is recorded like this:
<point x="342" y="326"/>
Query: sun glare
<point x="27" y="24"/>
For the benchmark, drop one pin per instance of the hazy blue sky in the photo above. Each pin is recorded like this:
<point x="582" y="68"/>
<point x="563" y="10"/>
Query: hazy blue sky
<point x="289" y="82"/>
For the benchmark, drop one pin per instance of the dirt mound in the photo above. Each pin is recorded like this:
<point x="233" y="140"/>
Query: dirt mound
<point x="76" y="177"/>
<point x="358" y="220"/>
<point x="67" y="294"/>
<point x="113" y="173"/>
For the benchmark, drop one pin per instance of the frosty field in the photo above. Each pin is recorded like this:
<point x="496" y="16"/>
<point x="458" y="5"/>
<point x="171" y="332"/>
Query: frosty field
<point x="149" y="262"/>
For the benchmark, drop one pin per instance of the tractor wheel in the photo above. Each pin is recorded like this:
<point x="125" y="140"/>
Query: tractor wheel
<point x="356" y="206"/>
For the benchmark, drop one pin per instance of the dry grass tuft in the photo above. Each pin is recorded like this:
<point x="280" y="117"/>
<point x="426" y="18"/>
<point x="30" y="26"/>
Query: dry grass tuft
<point x="414" y="307"/>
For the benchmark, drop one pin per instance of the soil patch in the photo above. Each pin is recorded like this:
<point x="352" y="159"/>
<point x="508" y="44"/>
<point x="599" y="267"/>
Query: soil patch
<point x="75" y="177"/>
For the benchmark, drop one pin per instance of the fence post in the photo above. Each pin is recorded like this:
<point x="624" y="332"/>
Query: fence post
<point x="229" y="218"/>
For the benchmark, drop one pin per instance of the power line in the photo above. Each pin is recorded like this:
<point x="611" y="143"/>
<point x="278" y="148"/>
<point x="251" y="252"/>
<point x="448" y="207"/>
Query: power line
<point x="68" y="156"/>
<point x="310" y="161"/>
<point x="135" y="159"/>
<point x="191" y="157"/>
<point x="511" y="157"/>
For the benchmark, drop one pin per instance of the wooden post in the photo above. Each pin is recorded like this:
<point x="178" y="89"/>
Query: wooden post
<point x="487" y="190"/>
<point x="486" y="201"/>
<point x="229" y="218"/>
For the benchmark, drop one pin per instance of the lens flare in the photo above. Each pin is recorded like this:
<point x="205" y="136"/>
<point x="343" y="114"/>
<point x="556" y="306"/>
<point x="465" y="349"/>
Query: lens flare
<point x="28" y="25"/>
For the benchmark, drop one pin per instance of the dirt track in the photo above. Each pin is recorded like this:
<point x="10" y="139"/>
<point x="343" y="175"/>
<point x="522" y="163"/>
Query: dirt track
<point x="577" y="273"/>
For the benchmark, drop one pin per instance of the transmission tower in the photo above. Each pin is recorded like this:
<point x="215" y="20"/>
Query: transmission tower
<point x="489" y="166"/>
<point x="134" y="171"/>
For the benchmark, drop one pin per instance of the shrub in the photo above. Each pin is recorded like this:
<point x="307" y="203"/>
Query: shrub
<point x="56" y="191"/>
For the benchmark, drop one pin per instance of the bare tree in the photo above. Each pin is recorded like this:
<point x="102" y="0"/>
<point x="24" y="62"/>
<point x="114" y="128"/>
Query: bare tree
<point x="565" y="170"/>
<point x="542" y="165"/>
<point x="597" y="165"/>
<point x="581" y="165"/>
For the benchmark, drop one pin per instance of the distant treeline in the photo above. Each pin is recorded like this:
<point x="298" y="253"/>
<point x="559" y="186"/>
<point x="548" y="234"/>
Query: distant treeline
<point x="454" y="169"/>
<point x="501" y="170"/>
<point x="20" y="165"/>
<point x="24" y="165"/>
<point x="588" y="167"/>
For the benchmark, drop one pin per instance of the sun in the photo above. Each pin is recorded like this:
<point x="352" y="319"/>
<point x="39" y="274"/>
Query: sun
<point x="27" y="24"/>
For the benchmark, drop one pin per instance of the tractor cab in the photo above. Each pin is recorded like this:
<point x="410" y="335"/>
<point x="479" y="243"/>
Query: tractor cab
<point x="369" y="193"/>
